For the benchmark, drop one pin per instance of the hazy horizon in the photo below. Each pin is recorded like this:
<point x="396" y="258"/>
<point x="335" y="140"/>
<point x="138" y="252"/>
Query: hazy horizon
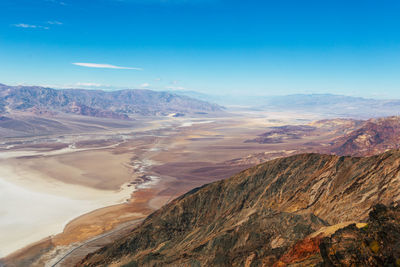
<point x="196" y="93"/>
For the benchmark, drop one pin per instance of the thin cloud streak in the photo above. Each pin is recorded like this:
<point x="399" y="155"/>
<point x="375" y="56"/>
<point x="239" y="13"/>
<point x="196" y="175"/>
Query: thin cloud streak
<point x="56" y="2"/>
<point x="54" y="22"/>
<point x="104" y="66"/>
<point x="30" y="26"/>
<point x="89" y="84"/>
<point x="178" y="88"/>
<point x="145" y="85"/>
<point x="167" y="2"/>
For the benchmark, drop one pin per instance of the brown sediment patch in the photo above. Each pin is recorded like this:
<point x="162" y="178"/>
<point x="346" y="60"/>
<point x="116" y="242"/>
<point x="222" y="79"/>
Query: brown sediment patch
<point x="85" y="227"/>
<point x="199" y="172"/>
<point x="105" y="219"/>
<point x="142" y="203"/>
<point x="19" y="257"/>
<point x="94" y="244"/>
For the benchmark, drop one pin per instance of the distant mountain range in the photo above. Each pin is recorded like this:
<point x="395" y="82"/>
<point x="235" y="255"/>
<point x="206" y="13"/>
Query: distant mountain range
<point x="325" y="104"/>
<point x="335" y="105"/>
<point x="286" y="212"/>
<point x="120" y="104"/>
<point x="123" y="104"/>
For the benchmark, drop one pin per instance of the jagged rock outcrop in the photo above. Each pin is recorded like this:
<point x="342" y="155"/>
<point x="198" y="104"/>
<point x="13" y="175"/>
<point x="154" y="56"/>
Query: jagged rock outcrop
<point x="375" y="244"/>
<point x="259" y="215"/>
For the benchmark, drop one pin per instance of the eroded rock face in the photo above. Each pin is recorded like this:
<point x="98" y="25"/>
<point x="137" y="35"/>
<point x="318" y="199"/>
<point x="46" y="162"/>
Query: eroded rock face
<point x="206" y="236"/>
<point x="261" y="216"/>
<point x="376" y="244"/>
<point x="374" y="136"/>
<point x="305" y="252"/>
<point x="344" y="137"/>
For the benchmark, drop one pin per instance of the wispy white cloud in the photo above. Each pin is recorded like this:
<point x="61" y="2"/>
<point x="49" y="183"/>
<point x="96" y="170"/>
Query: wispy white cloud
<point x="54" y="22"/>
<point x="104" y="66"/>
<point x="36" y="26"/>
<point x="174" y="2"/>
<point x="30" y="26"/>
<point x="88" y="84"/>
<point x="145" y="85"/>
<point x="175" y="88"/>
<point x="56" y="2"/>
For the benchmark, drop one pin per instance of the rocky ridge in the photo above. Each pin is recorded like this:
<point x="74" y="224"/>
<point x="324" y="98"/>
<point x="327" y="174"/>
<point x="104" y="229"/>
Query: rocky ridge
<point x="374" y="136"/>
<point x="347" y="137"/>
<point x="97" y="103"/>
<point x="258" y="216"/>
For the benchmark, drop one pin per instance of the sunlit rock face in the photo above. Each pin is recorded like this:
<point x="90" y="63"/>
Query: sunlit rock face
<point x="260" y="215"/>
<point x="375" y="244"/>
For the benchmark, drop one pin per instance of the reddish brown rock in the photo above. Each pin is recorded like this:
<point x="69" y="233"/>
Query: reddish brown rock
<point x="376" y="244"/>
<point x="261" y="215"/>
<point x="373" y="137"/>
<point x="303" y="250"/>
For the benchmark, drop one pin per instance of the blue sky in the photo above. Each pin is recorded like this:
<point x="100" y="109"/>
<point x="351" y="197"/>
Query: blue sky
<point x="212" y="46"/>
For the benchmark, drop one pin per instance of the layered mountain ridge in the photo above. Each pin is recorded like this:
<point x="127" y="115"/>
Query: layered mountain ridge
<point x="373" y="136"/>
<point x="331" y="105"/>
<point x="257" y="216"/>
<point x="97" y="103"/>
<point x="350" y="137"/>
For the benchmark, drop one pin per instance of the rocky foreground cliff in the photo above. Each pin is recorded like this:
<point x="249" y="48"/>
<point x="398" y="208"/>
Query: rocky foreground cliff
<point x="286" y="212"/>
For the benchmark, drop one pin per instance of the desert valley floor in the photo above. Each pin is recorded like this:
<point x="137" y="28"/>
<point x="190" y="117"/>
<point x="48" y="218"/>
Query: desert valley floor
<point x="75" y="192"/>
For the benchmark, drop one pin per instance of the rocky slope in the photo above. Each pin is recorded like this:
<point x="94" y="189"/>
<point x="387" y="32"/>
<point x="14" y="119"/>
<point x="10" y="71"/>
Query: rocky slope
<point x="343" y="137"/>
<point x="281" y="134"/>
<point x="259" y="215"/>
<point x="314" y="130"/>
<point x="117" y="104"/>
<point x="374" y="243"/>
<point x="377" y="243"/>
<point x="374" y="136"/>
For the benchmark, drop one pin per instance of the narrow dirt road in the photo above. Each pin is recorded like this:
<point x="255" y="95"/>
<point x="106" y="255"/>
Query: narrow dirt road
<point x="75" y="254"/>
